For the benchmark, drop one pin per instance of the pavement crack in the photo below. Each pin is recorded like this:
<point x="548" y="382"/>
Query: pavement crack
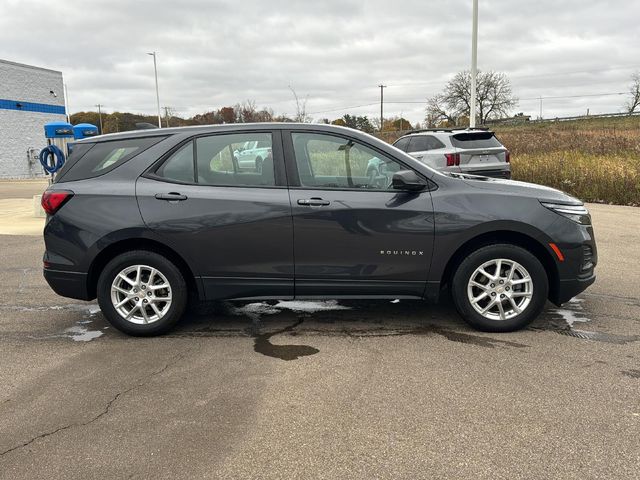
<point x="140" y="383"/>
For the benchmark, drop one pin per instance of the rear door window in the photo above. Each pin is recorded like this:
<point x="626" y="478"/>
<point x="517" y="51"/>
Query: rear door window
<point x="103" y="157"/>
<point x="475" y="140"/>
<point x="219" y="160"/>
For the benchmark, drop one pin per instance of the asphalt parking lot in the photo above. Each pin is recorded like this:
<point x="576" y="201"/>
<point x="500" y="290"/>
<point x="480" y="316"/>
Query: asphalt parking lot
<point x="322" y="389"/>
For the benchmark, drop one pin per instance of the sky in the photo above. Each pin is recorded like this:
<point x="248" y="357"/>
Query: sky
<point x="334" y="53"/>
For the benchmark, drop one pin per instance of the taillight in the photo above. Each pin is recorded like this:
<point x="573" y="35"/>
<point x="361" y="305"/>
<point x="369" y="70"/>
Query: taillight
<point x="453" y="159"/>
<point x="52" y="201"/>
<point x="507" y="156"/>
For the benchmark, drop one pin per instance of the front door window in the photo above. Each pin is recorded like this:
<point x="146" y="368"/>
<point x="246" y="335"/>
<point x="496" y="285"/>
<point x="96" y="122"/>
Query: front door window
<point x="328" y="161"/>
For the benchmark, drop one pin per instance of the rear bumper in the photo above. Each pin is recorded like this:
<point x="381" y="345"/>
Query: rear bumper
<point x="67" y="284"/>
<point x="567" y="289"/>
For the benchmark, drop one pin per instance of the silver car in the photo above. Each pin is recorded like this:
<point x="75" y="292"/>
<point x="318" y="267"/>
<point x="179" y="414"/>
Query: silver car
<point x="472" y="151"/>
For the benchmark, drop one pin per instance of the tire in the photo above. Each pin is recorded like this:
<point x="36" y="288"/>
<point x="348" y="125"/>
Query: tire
<point x="155" y="271"/>
<point x="527" y="290"/>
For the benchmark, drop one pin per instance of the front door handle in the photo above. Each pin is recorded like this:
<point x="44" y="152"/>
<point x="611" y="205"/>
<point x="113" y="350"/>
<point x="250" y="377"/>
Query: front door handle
<point x="313" y="202"/>
<point x="171" y="196"/>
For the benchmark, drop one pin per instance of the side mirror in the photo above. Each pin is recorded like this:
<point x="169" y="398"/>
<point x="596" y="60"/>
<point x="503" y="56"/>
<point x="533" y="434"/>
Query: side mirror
<point x="408" y="180"/>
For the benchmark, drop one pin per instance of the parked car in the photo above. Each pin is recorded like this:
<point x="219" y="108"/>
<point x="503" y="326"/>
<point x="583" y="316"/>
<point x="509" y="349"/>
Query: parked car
<point x="252" y="154"/>
<point x="472" y="151"/>
<point x="143" y="220"/>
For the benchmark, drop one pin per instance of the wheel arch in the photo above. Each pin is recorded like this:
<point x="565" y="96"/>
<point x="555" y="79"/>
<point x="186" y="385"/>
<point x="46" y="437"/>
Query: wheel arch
<point x="504" y="236"/>
<point x="130" y="244"/>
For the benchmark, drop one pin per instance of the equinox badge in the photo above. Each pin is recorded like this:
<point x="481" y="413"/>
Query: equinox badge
<point x="402" y="252"/>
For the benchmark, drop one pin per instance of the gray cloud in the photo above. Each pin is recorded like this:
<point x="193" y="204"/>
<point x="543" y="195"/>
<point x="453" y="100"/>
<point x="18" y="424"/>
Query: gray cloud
<point x="216" y="53"/>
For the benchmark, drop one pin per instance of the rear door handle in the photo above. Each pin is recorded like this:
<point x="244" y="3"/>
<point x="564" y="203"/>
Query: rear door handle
<point x="313" y="202"/>
<point x="171" y="196"/>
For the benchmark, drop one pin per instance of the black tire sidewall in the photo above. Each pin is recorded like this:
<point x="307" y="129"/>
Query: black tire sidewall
<point x="179" y="293"/>
<point x="485" y="254"/>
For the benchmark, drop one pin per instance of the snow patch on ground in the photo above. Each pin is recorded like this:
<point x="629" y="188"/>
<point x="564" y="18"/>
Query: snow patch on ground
<point x="310" y="307"/>
<point x="256" y="310"/>
<point x="574" y="313"/>
<point x="78" y="333"/>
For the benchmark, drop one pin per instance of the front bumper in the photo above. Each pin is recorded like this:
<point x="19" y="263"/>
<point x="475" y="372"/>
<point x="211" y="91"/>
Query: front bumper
<point x="567" y="289"/>
<point x="68" y="284"/>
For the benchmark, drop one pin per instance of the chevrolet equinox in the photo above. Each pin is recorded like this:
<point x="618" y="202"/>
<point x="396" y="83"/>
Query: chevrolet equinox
<point x="145" y="220"/>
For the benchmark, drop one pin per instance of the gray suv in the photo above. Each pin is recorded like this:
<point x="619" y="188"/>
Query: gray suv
<point x="146" y="220"/>
<point x="471" y="151"/>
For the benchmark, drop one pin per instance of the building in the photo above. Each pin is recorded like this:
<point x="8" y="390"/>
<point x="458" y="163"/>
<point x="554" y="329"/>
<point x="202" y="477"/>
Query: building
<point x="29" y="98"/>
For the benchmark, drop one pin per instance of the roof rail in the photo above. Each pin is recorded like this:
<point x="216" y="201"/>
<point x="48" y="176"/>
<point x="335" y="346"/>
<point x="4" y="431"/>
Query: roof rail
<point x="459" y="129"/>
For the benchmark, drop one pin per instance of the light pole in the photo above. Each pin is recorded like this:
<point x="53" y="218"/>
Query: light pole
<point x="155" y="71"/>
<point x="474" y="65"/>
<point x="66" y="102"/>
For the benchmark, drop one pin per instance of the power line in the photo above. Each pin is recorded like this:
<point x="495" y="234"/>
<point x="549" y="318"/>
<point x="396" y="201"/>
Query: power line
<point x="577" y="96"/>
<point x="343" y="108"/>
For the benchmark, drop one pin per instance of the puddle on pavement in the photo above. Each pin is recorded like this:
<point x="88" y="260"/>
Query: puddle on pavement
<point x="563" y="321"/>
<point x="81" y="331"/>
<point x="262" y="344"/>
<point x="371" y="319"/>
<point x="262" y="341"/>
<point x="325" y="316"/>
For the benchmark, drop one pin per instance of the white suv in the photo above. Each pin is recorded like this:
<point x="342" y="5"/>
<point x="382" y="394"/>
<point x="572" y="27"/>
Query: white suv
<point x="252" y="154"/>
<point x="471" y="151"/>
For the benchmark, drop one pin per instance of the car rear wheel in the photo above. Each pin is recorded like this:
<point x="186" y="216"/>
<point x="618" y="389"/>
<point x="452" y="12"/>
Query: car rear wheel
<point x="500" y="288"/>
<point x="142" y="293"/>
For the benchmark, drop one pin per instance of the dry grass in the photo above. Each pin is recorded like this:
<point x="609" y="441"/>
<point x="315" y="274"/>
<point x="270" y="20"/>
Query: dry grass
<point x="595" y="160"/>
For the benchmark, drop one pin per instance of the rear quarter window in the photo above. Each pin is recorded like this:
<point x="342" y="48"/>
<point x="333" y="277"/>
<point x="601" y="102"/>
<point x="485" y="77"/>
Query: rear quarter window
<point x="422" y="143"/>
<point x="402" y="144"/>
<point x="95" y="159"/>
<point x="475" y="140"/>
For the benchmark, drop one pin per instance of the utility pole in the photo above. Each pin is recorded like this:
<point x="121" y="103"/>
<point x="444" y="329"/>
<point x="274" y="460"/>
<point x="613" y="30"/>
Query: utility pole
<point x="474" y="64"/>
<point x="382" y="87"/>
<point x="155" y="71"/>
<point x="100" y="115"/>
<point x="166" y="115"/>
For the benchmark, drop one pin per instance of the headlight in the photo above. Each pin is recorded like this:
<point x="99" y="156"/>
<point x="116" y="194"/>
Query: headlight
<point x="577" y="213"/>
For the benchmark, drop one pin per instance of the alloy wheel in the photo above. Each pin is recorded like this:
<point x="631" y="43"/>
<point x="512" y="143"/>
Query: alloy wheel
<point x="141" y="294"/>
<point x="500" y="289"/>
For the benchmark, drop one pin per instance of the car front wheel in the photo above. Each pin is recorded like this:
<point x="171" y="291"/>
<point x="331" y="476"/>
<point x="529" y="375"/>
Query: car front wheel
<point x="142" y="293"/>
<point x="500" y="288"/>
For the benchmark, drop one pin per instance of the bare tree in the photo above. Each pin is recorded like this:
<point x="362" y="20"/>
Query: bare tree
<point x="493" y="97"/>
<point x="301" y="107"/>
<point x="634" y="91"/>
<point x="436" y="113"/>
<point x="246" y="111"/>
